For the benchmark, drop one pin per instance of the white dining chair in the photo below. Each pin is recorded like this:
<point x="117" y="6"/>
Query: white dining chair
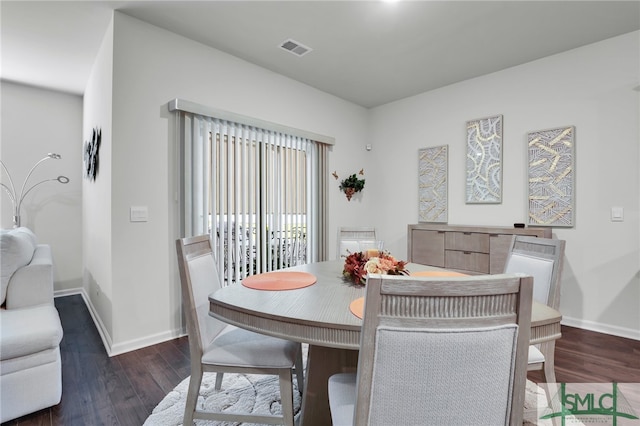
<point x="543" y="259"/>
<point x="350" y="238"/>
<point x="438" y="351"/>
<point x="222" y="348"/>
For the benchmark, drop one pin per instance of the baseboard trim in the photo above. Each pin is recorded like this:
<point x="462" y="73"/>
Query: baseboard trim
<point x="119" y="348"/>
<point x="68" y="292"/>
<point x="601" y="328"/>
<point x="143" y="342"/>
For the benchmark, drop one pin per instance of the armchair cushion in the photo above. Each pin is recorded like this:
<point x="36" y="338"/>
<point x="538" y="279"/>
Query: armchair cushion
<point x="16" y="250"/>
<point x="32" y="284"/>
<point x="28" y="331"/>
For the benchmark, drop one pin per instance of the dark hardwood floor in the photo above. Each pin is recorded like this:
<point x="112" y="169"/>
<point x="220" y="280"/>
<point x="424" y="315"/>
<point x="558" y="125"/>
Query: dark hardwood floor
<point x="122" y="390"/>
<point x="102" y="390"/>
<point x="584" y="356"/>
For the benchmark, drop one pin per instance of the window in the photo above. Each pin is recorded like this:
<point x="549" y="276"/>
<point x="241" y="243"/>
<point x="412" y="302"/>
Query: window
<point x="258" y="192"/>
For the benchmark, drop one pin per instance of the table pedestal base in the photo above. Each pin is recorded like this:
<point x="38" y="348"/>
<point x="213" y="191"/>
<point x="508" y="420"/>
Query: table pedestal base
<point x="322" y="362"/>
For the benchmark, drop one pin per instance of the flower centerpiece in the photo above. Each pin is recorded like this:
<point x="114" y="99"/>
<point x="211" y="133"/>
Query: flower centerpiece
<point x="358" y="265"/>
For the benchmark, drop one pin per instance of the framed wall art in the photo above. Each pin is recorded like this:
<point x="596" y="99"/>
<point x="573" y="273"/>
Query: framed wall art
<point x="91" y="151"/>
<point x="432" y="184"/>
<point x="551" y="177"/>
<point x="484" y="160"/>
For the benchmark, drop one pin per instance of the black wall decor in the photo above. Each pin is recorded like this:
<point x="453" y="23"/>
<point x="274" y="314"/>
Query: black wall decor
<point x="91" y="149"/>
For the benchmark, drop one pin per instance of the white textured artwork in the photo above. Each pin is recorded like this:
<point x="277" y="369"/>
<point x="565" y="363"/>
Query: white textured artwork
<point x="484" y="160"/>
<point x="551" y="177"/>
<point x="432" y="185"/>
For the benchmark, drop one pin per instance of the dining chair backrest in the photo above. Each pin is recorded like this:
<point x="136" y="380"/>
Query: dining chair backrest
<point x="541" y="258"/>
<point x="350" y="237"/>
<point x="444" y="350"/>
<point x="198" y="278"/>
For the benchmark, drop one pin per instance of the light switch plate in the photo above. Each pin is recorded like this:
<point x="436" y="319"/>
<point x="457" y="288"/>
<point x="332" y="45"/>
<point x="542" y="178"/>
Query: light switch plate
<point x="617" y="214"/>
<point x="138" y="214"/>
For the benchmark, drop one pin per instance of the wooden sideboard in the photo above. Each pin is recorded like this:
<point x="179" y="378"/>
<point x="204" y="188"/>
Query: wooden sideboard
<point x="469" y="249"/>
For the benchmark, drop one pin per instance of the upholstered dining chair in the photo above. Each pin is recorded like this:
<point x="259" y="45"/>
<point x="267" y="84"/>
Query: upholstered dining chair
<point x="542" y="258"/>
<point x="222" y="348"/>
<point x="350" y="237"/>
<point x="438" y="350"/>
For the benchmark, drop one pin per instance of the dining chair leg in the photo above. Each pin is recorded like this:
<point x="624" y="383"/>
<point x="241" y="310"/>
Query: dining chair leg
<point x="219" y="377"/>
<point x="286" y="396"/>
<point x="548" y="368"/>
<point x="300" y="371"/>
<point x="192" y="398"/>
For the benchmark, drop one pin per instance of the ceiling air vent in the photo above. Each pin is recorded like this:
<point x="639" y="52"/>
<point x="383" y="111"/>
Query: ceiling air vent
<point x="295" y="48"/>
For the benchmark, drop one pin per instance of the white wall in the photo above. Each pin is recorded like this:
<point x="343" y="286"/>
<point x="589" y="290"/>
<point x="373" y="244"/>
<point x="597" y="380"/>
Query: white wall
<point x="591" y="88"/>
<point x="35" y="122"/>
<point x="97" y="195"/>
<point x="151" y="66"/>
<point x="128" y="269"/>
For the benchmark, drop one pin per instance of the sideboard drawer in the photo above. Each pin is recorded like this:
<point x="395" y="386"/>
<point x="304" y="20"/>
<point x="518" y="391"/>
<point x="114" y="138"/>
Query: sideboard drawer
<point x="467" y="241"/>
<point x="427" y="247"/>
<point x="467" y="261"/>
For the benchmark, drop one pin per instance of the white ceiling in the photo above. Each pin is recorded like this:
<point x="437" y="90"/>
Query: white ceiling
<point x="367" y="52"/>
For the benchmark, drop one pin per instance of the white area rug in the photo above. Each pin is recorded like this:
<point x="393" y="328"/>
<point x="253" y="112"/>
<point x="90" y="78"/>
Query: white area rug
<point x="534" y="397"/>
<point x="243" y="393"/>
<point x="261" y="394"/>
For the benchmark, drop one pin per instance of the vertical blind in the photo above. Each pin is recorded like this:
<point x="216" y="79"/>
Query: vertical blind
<point x="259" y="193"/>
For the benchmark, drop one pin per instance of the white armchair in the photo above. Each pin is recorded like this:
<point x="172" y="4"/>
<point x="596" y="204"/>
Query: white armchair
<point x="30" y="329"/>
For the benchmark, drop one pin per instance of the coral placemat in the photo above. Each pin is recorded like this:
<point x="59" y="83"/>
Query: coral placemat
<point x="279" y="280"/>
<point x="438" y="274"/>
<point x="357" y="307"/>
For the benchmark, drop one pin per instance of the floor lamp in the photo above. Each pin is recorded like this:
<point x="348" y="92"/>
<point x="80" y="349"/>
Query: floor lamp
<point x="17" y="198"/>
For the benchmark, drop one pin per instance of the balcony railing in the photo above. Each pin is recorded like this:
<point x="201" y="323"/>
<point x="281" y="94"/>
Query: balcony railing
<point x="250" y="252"/>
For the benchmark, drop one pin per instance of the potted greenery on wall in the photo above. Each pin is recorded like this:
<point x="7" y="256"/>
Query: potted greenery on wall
<point x="351" y="184"/>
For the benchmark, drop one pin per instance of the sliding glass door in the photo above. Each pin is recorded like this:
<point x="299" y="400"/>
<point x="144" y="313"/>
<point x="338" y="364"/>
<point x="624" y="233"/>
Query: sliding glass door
<point x="259" y="194"/>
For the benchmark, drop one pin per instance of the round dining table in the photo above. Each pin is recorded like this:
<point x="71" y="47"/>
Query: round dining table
<point x="320" y="315"/>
